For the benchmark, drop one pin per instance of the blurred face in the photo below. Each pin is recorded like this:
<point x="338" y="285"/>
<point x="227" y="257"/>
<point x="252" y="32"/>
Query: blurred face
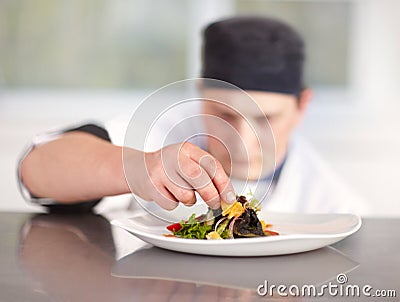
<point x="248" y="139"/>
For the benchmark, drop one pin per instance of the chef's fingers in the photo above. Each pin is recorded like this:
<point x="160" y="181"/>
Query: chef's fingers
<point x="214" y="170"/>
<point x="164" y="198"/>
<point x="181" y="191"/>
<point x="199" y="180"/>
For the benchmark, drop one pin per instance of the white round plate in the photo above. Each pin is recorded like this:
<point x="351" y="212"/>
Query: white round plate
<point x="298" y="233"/>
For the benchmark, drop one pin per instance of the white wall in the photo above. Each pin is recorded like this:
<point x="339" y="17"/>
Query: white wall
<point x="361" y="143"/>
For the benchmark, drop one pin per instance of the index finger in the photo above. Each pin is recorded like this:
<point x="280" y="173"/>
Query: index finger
<point x="215" y="171"/>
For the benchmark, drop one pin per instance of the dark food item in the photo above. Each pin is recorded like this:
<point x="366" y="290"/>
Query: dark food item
<point x="248" y="225"/>
<point x="242" y="199"/>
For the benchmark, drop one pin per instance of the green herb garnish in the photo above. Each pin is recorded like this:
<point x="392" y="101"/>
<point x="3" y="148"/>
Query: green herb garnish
<point x="193" y="229"/>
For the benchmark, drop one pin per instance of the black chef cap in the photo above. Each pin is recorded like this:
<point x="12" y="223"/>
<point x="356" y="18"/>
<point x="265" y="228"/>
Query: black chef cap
<point x="254" y="53"/>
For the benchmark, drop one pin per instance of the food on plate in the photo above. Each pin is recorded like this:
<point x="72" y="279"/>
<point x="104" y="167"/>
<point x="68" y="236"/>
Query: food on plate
<point x="237" y="220"/>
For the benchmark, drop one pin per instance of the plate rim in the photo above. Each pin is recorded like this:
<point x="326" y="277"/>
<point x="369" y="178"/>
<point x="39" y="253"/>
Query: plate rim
<point x="283" y="237"/>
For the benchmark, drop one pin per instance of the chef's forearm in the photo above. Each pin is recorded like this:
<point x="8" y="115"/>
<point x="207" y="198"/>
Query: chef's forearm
<point x="76" y="167"/>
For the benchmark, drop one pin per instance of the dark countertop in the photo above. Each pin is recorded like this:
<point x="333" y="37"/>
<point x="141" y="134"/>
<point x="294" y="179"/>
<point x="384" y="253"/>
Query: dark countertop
<point x="81" y="257"/>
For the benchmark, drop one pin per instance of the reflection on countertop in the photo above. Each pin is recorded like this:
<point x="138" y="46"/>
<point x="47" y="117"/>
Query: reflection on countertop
<point x="73" y="258"/>
<point x="70" y="258"/>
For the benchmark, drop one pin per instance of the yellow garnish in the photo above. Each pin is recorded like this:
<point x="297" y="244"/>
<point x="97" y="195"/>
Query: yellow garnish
<point x="235" y="210"/>
<point x="263" y="224"/>
<point x="213" y="236"/>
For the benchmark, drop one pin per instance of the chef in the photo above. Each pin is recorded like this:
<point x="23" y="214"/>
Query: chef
<point x="249" y="143"/>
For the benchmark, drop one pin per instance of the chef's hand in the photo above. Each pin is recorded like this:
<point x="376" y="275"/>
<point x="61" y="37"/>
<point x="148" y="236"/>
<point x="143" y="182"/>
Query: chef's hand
<point x="174" y="173"/>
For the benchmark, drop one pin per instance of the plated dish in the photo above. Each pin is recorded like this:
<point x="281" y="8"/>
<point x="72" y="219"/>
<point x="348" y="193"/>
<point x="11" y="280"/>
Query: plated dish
<point x="236" y="220"/>
<point x="297" y="233"/>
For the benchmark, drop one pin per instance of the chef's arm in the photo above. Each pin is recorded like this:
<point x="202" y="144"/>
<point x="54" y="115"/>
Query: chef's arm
<point x="79" y="166"/>
<point x="75" y="167"/>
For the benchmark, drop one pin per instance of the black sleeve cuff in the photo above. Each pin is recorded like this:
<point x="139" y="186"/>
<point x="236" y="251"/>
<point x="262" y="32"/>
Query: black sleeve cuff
<point x="92" y="129"/>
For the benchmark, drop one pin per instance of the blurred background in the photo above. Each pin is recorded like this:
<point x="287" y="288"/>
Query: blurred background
<point x="67" y="61"/>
